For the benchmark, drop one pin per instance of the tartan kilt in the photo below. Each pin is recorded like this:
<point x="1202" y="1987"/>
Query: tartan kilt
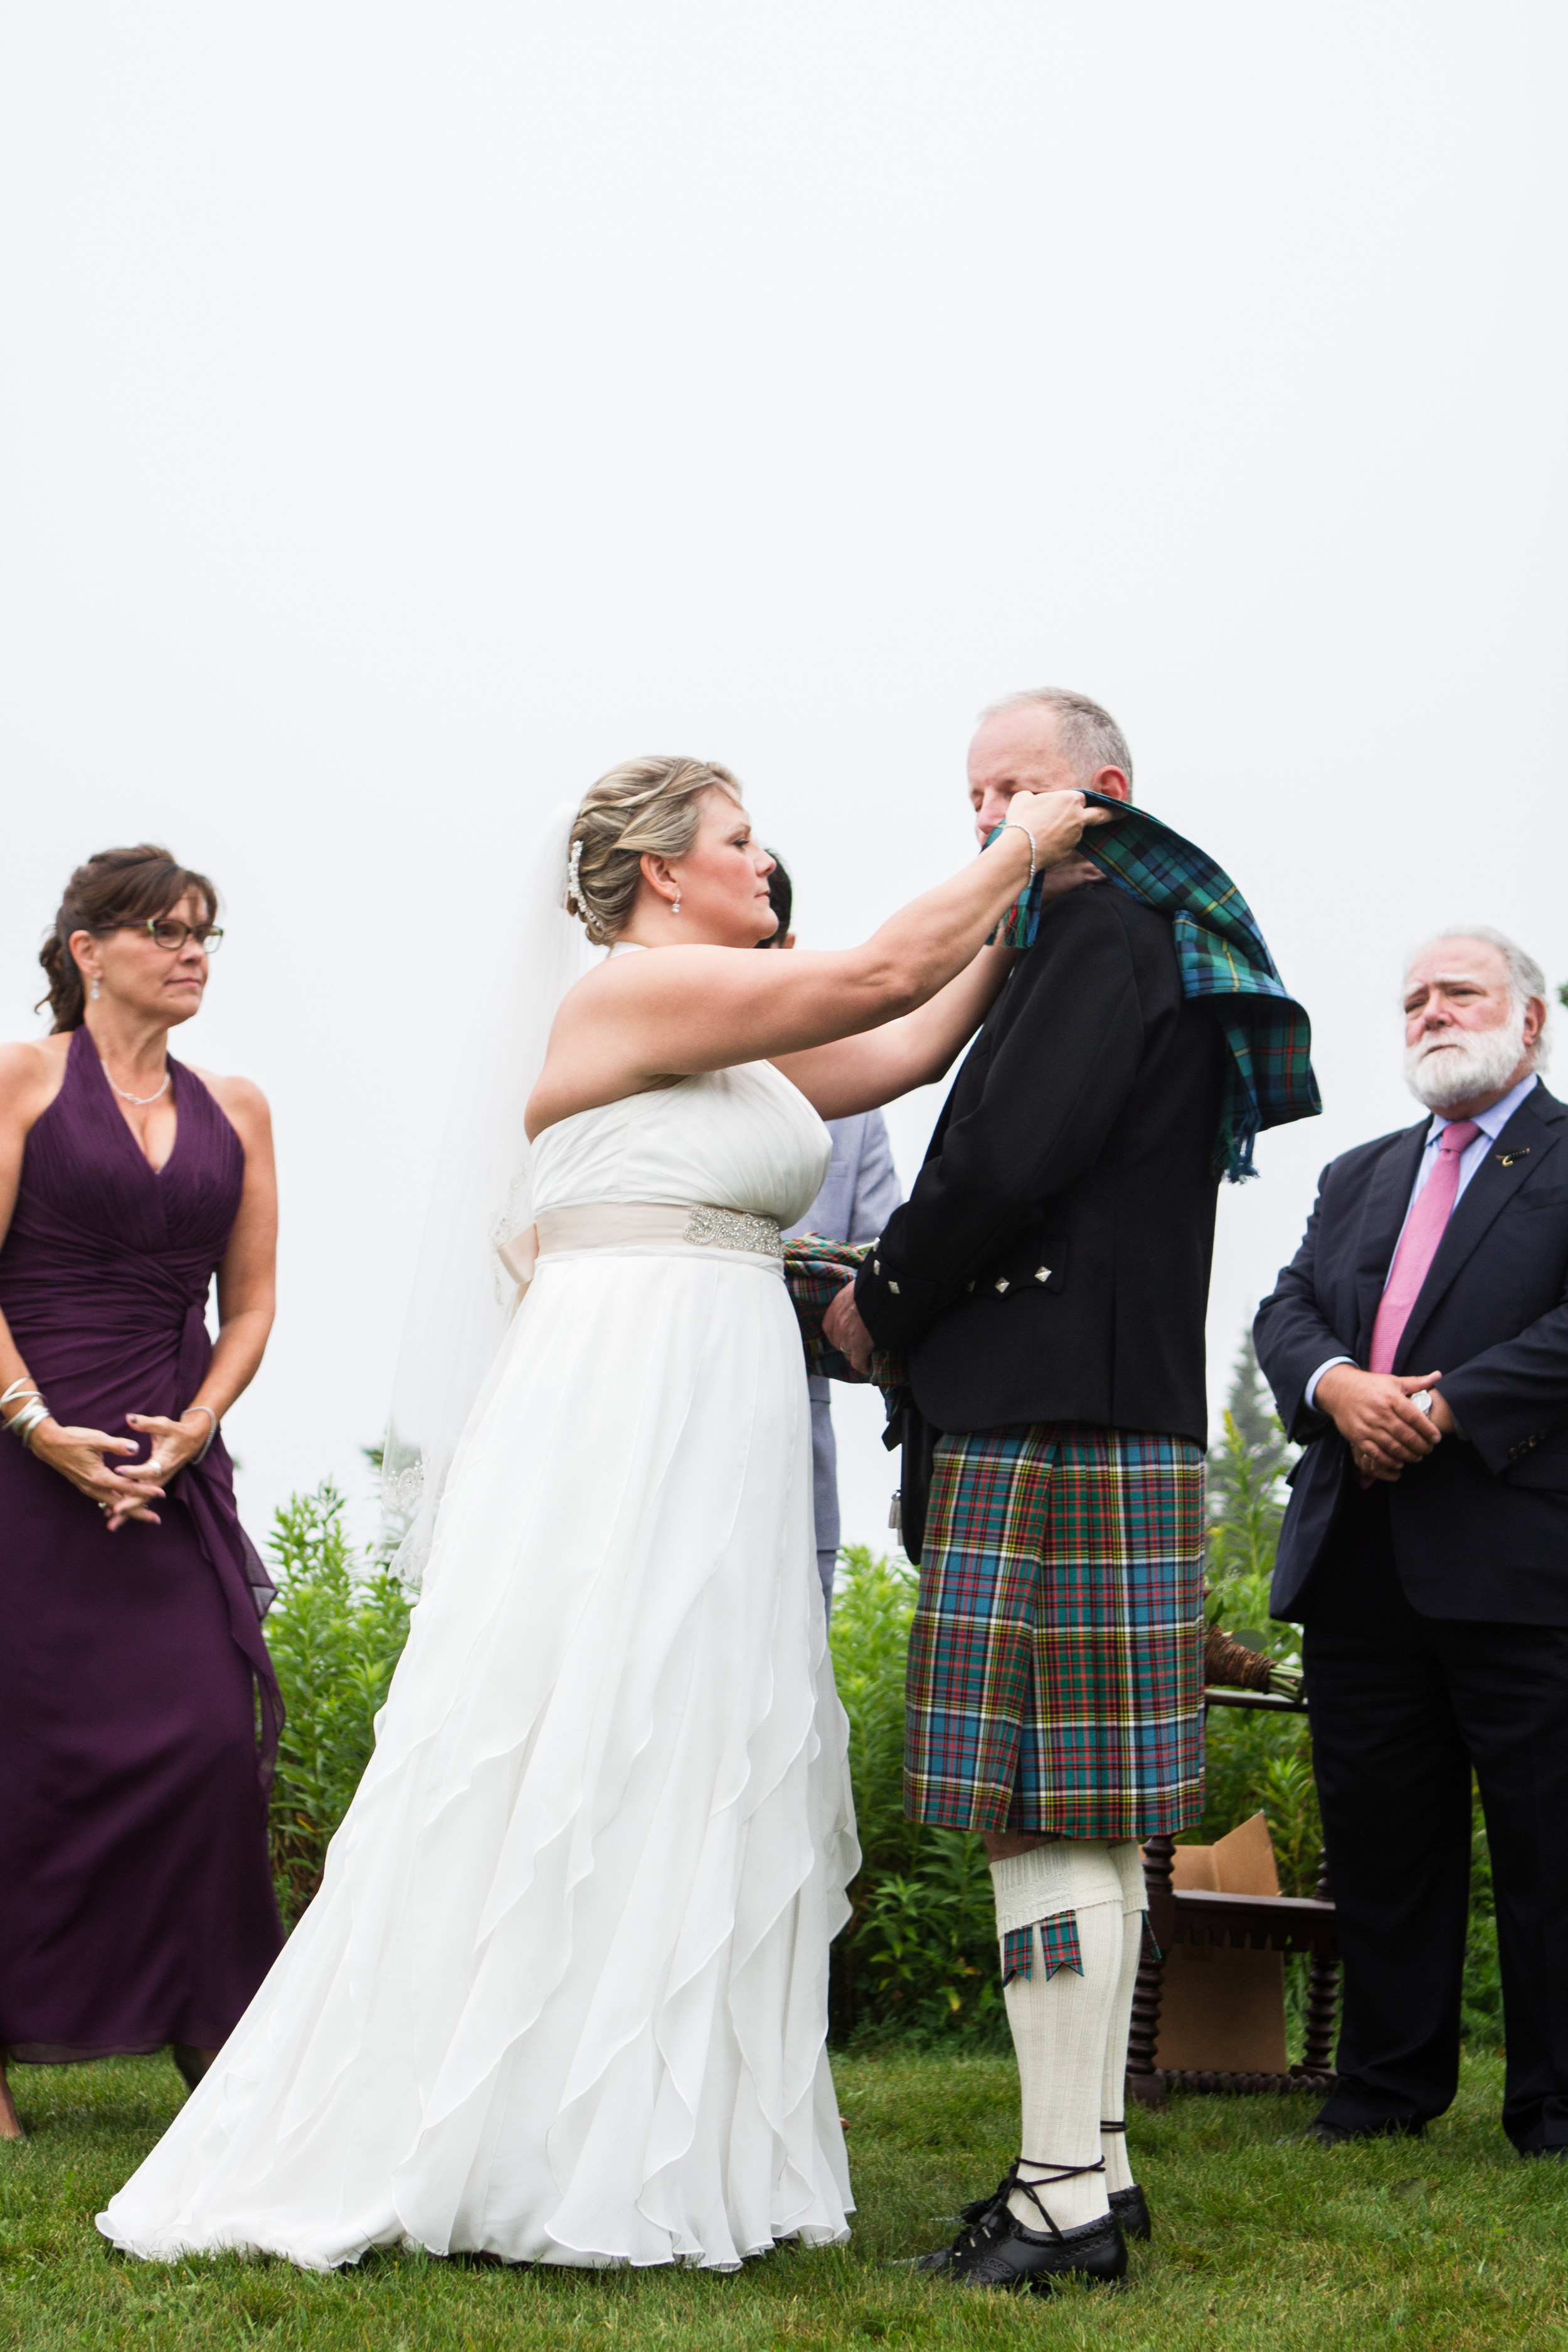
<point x="1055" y="1679"/>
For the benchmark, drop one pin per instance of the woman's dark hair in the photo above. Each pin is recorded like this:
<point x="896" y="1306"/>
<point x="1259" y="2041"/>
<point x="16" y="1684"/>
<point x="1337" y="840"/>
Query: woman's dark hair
<point x="118" y="885"/>
<point x="781" y="898"/>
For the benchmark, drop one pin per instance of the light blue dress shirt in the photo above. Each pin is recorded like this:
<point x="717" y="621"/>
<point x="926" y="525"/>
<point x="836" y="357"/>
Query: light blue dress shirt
<point x="1491" y="1124"/>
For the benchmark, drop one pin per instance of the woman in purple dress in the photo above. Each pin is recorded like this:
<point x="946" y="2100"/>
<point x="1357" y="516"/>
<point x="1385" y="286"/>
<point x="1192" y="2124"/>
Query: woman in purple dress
<point x="139" y="1712"/>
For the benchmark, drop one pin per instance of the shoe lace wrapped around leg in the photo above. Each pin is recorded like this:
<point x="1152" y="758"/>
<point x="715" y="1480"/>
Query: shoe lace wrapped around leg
<point x="981" y="2216"/>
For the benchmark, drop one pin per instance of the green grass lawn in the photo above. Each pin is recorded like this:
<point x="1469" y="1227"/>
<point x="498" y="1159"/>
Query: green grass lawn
<point x="1447" y="2242"/>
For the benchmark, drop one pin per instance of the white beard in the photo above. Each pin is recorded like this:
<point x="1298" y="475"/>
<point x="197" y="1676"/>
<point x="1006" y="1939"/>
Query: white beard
<point x="1453" y="1065"/>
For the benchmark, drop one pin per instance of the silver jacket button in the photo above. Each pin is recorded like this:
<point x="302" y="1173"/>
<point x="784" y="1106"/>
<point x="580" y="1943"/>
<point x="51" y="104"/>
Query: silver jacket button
<point x="1042" y="1274"/>
<point x="894" y="1288"/>
<point x="1001" y="1287"/>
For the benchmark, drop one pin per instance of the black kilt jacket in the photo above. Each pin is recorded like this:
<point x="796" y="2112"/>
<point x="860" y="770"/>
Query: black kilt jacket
<point x="1052" y="1261"/>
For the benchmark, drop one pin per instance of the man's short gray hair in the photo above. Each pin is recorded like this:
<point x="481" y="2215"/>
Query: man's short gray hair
<point x="1525" y="977"/>
<point x="1087" y="734"/>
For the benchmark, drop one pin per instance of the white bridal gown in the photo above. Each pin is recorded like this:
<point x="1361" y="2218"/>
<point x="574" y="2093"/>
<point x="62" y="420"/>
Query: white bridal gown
<point x="563" y="1996"/>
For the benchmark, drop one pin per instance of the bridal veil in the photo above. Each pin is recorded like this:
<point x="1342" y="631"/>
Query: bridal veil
<point x="527" y="959"/>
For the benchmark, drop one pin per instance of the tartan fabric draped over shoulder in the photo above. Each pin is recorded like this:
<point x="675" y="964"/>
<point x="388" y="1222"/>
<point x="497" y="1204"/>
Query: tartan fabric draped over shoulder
<point x="1055" y="1658"/>
<point x="1224" y="957"/>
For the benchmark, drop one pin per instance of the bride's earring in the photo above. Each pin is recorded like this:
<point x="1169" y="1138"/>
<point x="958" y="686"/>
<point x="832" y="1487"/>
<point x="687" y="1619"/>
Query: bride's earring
<point x="95" y="992"/>
<point x="675" y="909"/>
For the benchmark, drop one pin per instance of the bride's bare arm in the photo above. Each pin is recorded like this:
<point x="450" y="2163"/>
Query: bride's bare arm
<point x="863" y="1072"/>
<point x="667" y="1014"/>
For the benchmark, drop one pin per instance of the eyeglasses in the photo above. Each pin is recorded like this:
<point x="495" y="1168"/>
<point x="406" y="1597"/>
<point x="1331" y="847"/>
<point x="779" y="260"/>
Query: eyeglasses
<point x="166" y="932"/>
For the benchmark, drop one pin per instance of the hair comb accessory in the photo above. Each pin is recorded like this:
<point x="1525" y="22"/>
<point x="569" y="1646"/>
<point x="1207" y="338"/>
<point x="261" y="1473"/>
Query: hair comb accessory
<point x="573" y="877"/>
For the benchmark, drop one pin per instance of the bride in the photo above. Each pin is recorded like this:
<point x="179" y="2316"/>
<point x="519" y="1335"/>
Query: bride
<point x="563" y="1996"/>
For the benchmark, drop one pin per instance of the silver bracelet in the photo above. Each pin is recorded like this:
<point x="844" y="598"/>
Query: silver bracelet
<point x="212" y="1432"/>
<point x="1028" y="837"/>
<point x="28" y="1414"/>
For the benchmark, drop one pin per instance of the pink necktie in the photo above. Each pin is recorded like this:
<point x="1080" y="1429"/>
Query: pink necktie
<point x="1419" y="1245"/>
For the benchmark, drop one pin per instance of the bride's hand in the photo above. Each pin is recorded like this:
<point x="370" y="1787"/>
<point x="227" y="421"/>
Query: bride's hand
<point x="1055" y="822"/>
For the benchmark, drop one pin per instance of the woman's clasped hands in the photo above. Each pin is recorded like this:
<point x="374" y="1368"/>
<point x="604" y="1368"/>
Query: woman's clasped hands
<point x="125" y="1491"/>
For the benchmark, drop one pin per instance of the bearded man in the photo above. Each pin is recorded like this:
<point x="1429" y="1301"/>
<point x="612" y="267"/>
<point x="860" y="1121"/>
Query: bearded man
<point x="1418" y="1347"/>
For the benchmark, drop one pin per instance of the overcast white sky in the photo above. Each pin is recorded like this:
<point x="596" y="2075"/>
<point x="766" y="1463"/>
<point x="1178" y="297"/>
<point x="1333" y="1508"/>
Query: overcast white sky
<point x="407" y="411"/>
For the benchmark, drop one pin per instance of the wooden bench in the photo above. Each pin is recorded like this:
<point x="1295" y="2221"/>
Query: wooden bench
<point x="1280" y="1922"/>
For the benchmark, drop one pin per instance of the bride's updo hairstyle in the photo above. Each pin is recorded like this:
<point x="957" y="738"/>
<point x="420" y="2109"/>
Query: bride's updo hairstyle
<point x="644" y="807"/>
<point x="116" y="885"/>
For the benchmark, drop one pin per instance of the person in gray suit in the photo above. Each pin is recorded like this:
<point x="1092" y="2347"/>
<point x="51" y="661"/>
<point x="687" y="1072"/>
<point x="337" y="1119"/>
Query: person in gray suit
<point x="861" y="1192"/>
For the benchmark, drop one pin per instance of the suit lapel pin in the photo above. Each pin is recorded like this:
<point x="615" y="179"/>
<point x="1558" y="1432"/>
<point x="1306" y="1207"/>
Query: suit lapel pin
<point x="1507" y="1159"/>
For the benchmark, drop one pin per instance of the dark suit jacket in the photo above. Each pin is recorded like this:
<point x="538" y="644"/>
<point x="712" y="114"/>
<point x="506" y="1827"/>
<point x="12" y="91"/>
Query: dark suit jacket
<point x="1481" y="1528"/>
<point x="1052" y="1263"/>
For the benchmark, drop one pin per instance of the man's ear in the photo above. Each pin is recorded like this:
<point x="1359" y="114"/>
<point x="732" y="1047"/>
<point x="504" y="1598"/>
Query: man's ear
<point x="1113" y="784"/>
<point x="1534" y="1019"/>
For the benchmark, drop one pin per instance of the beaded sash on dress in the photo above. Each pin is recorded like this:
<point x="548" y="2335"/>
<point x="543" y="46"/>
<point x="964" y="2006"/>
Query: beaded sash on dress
<point x="651" y="1224"/>
<point x="734" y="1229"/>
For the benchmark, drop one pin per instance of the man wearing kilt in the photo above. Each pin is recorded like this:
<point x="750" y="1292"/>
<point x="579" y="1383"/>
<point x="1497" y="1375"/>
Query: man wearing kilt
<point x="1046" y="1285"/>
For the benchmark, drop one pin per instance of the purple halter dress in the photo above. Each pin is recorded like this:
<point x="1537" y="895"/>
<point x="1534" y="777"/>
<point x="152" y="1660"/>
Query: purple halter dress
<point x="136" y="1903"/>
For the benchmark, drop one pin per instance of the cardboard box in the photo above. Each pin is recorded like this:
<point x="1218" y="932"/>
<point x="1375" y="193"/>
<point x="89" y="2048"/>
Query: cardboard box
<point x="1223" y="2011"/>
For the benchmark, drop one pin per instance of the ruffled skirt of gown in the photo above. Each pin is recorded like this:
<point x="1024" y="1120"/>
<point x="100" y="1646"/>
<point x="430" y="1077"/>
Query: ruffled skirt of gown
<point x="562" y="1994"/>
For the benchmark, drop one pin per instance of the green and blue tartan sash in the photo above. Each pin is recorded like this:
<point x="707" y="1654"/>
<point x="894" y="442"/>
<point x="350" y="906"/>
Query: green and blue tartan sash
<point x="1223" y="956"/>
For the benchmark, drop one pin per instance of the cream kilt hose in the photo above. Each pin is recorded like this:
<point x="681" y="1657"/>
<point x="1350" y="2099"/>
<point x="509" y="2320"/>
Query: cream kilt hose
<point x="1056" y="1657"/>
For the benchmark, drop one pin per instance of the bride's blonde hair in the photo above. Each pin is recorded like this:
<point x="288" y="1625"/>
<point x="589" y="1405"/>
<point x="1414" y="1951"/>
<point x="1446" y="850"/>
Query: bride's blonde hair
<point x="644" y="806"/>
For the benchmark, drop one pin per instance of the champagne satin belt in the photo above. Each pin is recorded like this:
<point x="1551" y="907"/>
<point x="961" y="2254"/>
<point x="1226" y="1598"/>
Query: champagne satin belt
<point x="642" y="1224"/>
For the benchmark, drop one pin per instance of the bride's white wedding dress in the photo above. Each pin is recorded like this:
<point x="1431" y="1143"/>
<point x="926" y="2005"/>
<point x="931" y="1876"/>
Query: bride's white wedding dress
<point x="562" y="1994"/>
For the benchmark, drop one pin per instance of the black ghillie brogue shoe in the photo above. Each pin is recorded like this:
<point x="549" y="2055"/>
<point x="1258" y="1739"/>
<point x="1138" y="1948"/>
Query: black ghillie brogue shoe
<point x="1130" y="2208"/>
<point x="1130" y="2205"/>
<point x="995" y="2250"/>
<point x="984" y="2208"/>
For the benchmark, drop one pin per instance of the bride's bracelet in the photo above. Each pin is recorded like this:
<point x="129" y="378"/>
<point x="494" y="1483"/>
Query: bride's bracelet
<point x="28" y="1414"/>
<point x="1028" y="837"/>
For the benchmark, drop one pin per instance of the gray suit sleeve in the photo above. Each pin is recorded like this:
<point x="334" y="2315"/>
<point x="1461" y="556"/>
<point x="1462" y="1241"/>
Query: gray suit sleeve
<point x="877" y="1192"/>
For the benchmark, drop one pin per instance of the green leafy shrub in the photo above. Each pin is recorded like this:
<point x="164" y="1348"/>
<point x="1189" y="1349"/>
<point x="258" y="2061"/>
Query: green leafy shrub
<point x="336" y="1631"/>
<point x="1255" y="1762"/>
<point x="928" y="1941"/>
<point x="1245" y="1497"/>
<point x="918" y="1958"/>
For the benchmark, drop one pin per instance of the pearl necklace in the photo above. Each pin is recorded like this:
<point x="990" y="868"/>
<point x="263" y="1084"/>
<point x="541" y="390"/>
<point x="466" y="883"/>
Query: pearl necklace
<point x="140" y="1101"/>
